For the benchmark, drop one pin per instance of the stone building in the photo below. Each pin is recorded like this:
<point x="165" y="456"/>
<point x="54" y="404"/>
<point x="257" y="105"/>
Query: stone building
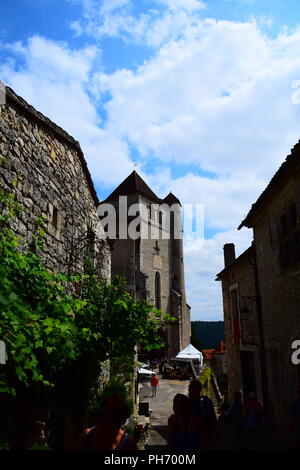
<point x="45" y="168"/>
<point x="266" y="304"/>
<point x="216" y="358"/>
<point x="275" y="220"/>
<point x="151" y="260"/>
<point x="240" y="322"/>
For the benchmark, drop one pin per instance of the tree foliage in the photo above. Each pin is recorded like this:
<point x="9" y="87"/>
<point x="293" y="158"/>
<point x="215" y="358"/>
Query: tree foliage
<point x="44" y="326"/>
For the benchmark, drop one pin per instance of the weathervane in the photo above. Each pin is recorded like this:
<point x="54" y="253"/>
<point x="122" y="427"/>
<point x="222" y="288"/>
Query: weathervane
<point x="135" y="164"/>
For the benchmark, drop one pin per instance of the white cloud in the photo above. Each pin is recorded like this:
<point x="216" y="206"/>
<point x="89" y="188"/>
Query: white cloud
<point x="117" y="18"/>
<point x="219" y="98"/>
<point x="202" y="263"/>
<point x="55" y="79"/>
<point x="215" y="94"/>
<point x="188" y="5"/>
<point x="226" y="200"/>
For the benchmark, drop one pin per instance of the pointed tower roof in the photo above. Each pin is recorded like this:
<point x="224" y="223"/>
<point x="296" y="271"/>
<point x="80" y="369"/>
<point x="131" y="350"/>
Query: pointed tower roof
<point x="131" y="185"/>
<point x="171" y="199"/>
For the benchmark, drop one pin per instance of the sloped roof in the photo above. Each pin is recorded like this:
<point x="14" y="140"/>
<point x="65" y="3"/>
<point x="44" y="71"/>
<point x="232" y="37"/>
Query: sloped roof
<point x="171" y="199"/>
<point x="219" y="349"/>
<point x="207" y="353"/>
<point x="245" y="256"/>
<point x="133" y="184"/>
<point x="285" y="171"/>
<point x="27" y="109"/>
<point x="190" y="350"/>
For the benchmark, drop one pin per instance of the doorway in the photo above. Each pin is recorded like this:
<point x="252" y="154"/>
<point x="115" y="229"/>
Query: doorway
<point x="248" y="373"/>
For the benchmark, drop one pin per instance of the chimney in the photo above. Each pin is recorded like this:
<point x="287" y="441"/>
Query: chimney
<point x="229" y="254"/>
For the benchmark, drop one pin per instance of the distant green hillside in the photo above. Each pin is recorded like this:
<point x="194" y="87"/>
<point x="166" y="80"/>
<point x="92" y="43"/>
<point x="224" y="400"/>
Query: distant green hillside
<point x="207" y="333"/>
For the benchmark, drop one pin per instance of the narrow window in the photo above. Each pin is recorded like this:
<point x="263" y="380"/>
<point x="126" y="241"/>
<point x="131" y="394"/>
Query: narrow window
<point x="235" y="312"/>
<point x="289" y="242"/>
<point x="157" y="290"/>
<point x="172" y="227"/>
<point x="90" y="247"/>
<point x="160" y="218"/>
<point x="55" y="217"/>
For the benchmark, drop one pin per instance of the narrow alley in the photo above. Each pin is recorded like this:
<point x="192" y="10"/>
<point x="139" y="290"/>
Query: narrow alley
<point x="161" y="408"/>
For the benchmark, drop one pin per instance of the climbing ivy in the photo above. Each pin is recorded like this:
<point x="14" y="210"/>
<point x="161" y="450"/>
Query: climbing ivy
<point x="37" y="316"/>
<point x="205" y="379"/>
<point x="44" y="326"/>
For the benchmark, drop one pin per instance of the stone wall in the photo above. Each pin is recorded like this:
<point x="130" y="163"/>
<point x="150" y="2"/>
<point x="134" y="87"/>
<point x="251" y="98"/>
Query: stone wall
<point x="219" y="364"/>
<point x="142" y="259"/>
<point x="45" y="168"/>
<point x="240" y="276"/>
<point x="280" y="293"/>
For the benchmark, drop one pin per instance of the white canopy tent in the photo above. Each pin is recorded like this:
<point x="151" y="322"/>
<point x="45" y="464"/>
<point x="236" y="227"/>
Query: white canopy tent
<point x="190" y="352"/>
<point x="143" y="371"/>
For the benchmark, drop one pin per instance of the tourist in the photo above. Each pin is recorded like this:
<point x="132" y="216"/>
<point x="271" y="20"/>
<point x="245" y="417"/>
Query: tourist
<point x="186" y="431"/>
<point x="37" y="434"/>
<point x="236" y="413"/>
<point x="108" y="433"/>
<point x="225" y="428"/>
<point x="154" y="384"/>
<point x="203" y="407"/>
<point x="253" y="421"/>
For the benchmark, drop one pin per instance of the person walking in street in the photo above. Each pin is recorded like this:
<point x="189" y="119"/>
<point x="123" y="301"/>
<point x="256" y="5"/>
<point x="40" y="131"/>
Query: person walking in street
<point x="202" y="406"/>
<point x="154" y="384"/>
<point x="186" y="431"/>
<point x="236" y="414"/>
<point x="108" y="433"/>
<point x="254" y="413"/>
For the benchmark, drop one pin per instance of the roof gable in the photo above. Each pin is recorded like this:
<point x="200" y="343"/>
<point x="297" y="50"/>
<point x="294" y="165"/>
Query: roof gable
<point x="133" y="184"/>
<point x="27" y="109"/>
<point x="171" y="199"/>
<point x="285" y="171"/>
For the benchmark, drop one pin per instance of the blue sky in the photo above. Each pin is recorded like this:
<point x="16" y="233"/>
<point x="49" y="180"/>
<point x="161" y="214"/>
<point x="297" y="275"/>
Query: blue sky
<point x="199" y="93"/>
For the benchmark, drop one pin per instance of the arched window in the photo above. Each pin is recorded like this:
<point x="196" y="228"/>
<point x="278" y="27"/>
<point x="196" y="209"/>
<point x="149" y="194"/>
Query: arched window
<point x="157" y="290"/>
<point x="160" y="218"/>
<point x="172" y="227"/>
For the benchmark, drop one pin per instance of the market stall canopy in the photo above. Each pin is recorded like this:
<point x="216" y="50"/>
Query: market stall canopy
<point x="190" y="352"/>
<point x="143" y="371"/>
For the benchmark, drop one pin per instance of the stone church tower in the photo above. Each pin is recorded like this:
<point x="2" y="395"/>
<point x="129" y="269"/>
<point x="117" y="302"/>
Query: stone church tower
<point x="152" y="262"/>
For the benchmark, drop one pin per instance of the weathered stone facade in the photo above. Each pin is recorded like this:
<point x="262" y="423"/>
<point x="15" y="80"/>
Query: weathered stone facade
<point x="46" y="170"/>
<point x="240" y="324"/>
<point x="153" y="266"/>
<point x="275" y="219"/>
<point x="275" y="284"/>
<point x="216" y="358"/>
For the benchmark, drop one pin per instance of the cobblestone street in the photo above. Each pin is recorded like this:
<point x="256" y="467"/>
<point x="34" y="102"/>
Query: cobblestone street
<point x="161" y="408"/>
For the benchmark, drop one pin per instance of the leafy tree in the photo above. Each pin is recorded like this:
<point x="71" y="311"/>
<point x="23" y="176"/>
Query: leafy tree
<point x="37" y="317"/>
<point x="195" y="341"/>
<point x="208" y="332"/>
<point x="47" y="329"/>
